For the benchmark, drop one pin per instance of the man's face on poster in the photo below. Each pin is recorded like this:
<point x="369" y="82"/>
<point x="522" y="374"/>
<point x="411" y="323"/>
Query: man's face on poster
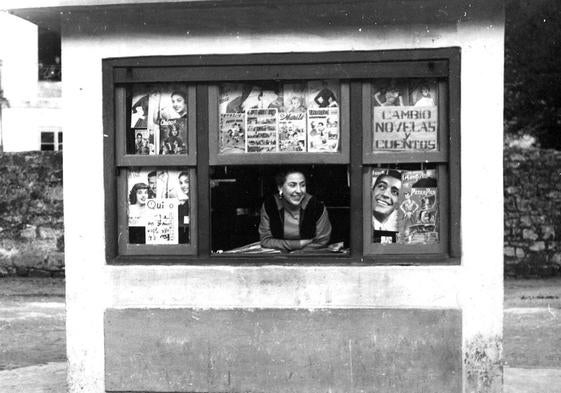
<point x="152" y="183"/>
<point x="385" y="195"/>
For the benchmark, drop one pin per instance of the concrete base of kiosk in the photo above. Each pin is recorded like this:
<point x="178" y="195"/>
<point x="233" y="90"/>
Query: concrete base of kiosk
<point x="283" y="350"/>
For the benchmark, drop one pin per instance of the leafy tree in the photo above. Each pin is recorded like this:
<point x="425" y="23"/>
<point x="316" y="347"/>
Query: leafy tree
<point x="533" y="70"/>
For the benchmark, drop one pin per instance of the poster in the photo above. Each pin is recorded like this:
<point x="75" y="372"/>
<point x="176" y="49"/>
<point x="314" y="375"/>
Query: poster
<point x="322" y="94"/>
<point x="158" y="203"/>
<point x="162" y="222"/>
<point x="405" y="115"/>
<point x="405" y="128"/>
<point x="261" y="131"/>
<point x="232" y="133"/>
<point x="405" y="206"/>
<point x="323" y="129"/>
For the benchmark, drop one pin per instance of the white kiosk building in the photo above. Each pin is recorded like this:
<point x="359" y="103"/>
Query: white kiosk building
<point x="181" y="115"/>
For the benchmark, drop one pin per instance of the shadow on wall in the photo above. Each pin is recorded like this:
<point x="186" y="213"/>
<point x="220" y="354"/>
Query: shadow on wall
<point x="31" y="214"/>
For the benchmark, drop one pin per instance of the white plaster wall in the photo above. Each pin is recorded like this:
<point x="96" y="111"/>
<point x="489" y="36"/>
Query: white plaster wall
<point x="475" y="286"/>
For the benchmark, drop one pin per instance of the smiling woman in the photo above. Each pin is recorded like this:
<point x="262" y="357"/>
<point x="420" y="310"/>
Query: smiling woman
<point x="293" y="219"/>
<point x="279" y="209"/>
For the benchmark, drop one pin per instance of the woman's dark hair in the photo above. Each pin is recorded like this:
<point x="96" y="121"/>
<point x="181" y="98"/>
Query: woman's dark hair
<point x="183" y="174"/>
<point x="135" y="188"/>
<point x="179" y="93"/>
<point x="281" y="176"/>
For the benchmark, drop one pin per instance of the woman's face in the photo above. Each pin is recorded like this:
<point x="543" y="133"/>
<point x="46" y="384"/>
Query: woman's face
<point x="184" y="184"/>
<point x="141" y="196"/>
<point x="178" y="103"/>
<point x="174" y="131"/>
<point x="294" y="188"/>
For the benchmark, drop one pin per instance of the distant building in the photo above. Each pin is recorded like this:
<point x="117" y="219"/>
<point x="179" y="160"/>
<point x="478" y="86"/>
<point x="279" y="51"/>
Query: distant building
<point x="30" y="118"/>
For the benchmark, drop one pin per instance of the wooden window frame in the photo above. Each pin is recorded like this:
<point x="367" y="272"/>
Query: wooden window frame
<point x="353" y="69"/>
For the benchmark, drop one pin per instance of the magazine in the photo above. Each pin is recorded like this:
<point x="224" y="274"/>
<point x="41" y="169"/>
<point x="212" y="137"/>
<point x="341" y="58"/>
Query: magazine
<point x="156" y="205"/>
<point x="261" y="131"/>
<point x="323" y="130"/>
<point x="292" y="131"/>
<point x="144" y="142"/>
<point x="232" y="133"/>
<point x="405" y="206"/>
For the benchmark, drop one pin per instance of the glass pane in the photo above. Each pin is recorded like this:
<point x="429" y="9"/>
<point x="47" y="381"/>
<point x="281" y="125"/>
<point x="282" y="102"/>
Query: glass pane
<point x="405" y="206"/>
<point x="47" y="137"/>
<point x="279" y="117"/>
<point x="248" y="205"/>
<point x="158" y="206"/>
<point x="405" y="115"/>
<point x="158" y="120"/>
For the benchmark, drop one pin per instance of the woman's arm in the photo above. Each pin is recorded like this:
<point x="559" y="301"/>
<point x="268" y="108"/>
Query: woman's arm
<point x="323" y="232"/>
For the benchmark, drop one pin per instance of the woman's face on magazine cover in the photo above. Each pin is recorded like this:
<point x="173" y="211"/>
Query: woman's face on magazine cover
<point x="178" y="103"/>
<point x="141" y="196"/>
<point x="184" y="184"/>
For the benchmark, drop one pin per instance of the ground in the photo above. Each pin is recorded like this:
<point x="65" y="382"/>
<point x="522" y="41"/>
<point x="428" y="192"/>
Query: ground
<point x="32" y="340"/>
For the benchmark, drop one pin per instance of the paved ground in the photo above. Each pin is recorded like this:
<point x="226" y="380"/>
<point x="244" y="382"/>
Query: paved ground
<point x="32" y="341"/>
<point x="32" y="338"/>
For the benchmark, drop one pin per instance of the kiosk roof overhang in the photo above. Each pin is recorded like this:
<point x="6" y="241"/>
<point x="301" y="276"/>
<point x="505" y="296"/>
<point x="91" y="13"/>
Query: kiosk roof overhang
<point x="48" y="13"/>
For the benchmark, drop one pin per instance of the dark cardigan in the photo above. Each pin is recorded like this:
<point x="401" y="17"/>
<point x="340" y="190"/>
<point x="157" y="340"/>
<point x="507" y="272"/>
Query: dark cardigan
<point x="308" y="217"/>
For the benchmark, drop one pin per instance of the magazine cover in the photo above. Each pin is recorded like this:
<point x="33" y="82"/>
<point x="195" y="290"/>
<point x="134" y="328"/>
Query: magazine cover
<point x="139" y="107"/>
<point x="423" y="93"/>
<point x="261" y="131"/>
<point x="232" y="133"/>
<point x="230" y="98"/>
<point x="323" y="130"/>
<point x="143" y="142"/>
<point x="322" y="94"/>
<point x="169" y="118"/>
<point x="390" y="93"/>
<point x="419" y="208"/>
<point x="292" y="131"/>
<point x="294" y="95"/>
<point x="173" y="136"/>
<point x="158" y="203"/>
<point x="404" y="207"/>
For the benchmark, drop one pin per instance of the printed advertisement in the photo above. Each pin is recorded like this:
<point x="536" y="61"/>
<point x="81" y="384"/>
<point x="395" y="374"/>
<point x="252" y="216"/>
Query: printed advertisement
<point x="323" y="130"/>
<point x="405" y="206"/>
<point x="158" y="206"/>
<point x="405" y="128"/>
<point x="261" y="134"/>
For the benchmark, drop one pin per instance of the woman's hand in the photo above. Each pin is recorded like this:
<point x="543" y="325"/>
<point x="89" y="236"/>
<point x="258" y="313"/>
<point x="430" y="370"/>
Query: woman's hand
<point x="305" y="242"/>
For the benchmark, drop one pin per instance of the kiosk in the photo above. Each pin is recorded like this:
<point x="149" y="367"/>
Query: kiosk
<point x="182" y="117"/>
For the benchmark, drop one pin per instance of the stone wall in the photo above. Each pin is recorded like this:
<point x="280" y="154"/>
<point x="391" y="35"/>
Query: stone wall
<point x="532" y="191"/>
<point x="31" y="214"/>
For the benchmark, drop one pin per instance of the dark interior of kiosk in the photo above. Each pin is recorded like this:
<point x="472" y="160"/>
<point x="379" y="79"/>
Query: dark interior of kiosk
<point x="237" y="194"/>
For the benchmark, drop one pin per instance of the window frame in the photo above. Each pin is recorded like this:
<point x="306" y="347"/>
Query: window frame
<point x="204" y="73"/>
